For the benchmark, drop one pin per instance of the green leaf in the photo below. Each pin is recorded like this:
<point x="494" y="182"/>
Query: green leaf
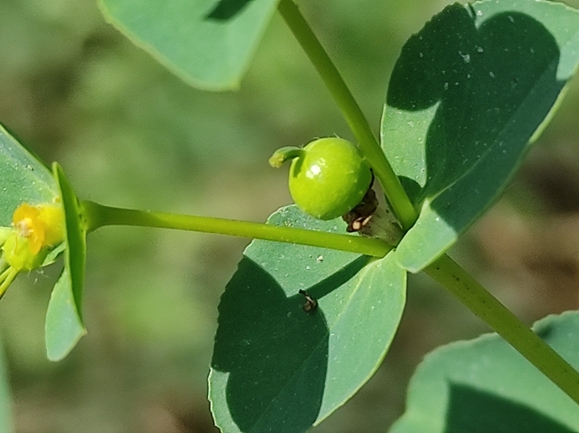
<point x="466" y="96"/>
<point x="6" y="425"/>
<point x="484" y="385"/>
<point x="276" y="367"/>
<point x="64" y="325"/>
<point x="208" y="43"/>
<point x="23" y="178"/>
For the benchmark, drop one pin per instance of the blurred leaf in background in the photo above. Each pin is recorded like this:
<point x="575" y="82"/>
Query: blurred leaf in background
<point x="129" y="133"/>
<point x="6" y="422"/>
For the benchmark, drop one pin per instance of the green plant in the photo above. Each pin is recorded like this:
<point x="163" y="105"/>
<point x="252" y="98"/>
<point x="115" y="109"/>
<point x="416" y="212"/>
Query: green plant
<point x="468" y="94"/>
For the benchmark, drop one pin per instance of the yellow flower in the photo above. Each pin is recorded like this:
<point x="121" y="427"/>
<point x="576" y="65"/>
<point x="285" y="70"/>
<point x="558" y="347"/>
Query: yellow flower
<point x="35" y="230"/>
<point x="41" y="225"/>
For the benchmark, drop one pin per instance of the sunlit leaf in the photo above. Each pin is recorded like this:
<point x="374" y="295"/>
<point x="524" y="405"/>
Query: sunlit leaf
<point x="467" y="95"/>
<point x="276" y="367"/>
<point x="208" y="43"/>
<point x="484" y="385"/>
<point x="64" y="325"/>
<point x="23" y="178"/>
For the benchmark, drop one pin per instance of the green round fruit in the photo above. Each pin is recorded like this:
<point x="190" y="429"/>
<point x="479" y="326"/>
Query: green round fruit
<point x="327" y="178"/>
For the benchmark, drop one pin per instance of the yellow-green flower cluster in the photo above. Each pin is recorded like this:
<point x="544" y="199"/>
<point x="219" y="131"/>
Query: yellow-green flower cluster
<point x="35" y="230"/>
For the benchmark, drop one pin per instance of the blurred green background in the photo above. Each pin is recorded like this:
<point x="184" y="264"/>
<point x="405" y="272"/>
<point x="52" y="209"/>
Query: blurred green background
<point x="128" y="133"/>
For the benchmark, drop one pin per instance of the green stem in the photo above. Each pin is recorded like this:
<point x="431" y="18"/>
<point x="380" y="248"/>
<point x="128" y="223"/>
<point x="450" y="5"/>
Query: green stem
<point x="458" y="282"/>
<point x="98" y="216"/>
<point x="369" y="146"/>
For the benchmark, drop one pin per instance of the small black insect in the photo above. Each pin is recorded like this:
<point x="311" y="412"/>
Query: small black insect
<point x="311" y="304"/>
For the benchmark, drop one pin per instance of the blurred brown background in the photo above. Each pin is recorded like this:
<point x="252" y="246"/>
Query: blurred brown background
<point x="128" y="133"/>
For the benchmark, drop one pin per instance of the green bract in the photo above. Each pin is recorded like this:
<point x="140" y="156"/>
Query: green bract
<point x="328" y="177"/>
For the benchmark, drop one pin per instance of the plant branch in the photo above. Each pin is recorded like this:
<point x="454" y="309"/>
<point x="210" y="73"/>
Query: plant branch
<point x="483" y="304"/>
<point x="369" y="146"/>
<point x="98" y="216"/>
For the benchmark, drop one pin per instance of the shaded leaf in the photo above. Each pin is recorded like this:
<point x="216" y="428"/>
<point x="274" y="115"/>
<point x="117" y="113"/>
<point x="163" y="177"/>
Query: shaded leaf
<point x="467" y="95"/>
<point x="278" y="368"/>
<point x="23" y="178"/>
<point x="484" y="385"/>
<point x="208" y="43"/>
<point x="64" y="325"/>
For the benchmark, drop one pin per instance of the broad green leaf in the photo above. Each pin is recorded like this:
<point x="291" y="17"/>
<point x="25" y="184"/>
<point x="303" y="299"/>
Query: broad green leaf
<point x="64" y="325"/>
<point x="23" y="178"/>
<point x="484" y="385"/>
<point x="466" y="96"/>
<point x="208" y="43"/>
<point x="6" y="425"/>
<point x="278" y="368"/>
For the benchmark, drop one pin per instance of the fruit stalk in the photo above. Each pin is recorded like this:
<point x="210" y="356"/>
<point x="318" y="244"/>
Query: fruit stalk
<point x="97" y="215"/>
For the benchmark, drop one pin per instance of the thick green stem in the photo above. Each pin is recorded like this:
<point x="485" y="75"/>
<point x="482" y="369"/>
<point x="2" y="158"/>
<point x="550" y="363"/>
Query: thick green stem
<point x="458" y="282"/>
<point x="369" y="146"/>
<point x="98" y="216"/>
